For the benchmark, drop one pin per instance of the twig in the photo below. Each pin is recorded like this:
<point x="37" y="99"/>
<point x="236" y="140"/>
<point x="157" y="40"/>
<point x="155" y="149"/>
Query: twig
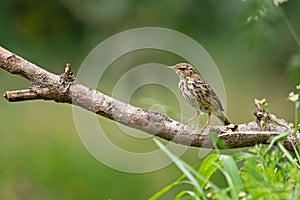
<point x="21" y="95"/>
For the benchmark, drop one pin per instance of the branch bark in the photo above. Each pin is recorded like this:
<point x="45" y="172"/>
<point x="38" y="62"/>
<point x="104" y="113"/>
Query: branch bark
<point x="65" y="88"/>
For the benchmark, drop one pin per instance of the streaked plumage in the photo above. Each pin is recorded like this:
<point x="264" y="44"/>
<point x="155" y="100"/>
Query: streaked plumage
<point x="197" y="92"/>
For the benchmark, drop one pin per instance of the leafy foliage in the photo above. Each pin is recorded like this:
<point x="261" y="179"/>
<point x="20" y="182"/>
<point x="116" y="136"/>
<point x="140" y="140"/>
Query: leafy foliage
<point x="265" y="173"/>
<point x="258" y="21"/>
<point x="269" y="175"/>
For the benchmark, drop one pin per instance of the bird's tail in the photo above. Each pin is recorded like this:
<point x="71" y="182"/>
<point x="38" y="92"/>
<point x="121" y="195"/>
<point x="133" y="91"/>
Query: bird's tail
<point x="224" y="119"/>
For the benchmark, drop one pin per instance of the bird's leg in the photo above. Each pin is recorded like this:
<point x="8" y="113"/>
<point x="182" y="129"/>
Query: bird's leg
<point x="194" y="117"/>
<point x="207" y="122"/>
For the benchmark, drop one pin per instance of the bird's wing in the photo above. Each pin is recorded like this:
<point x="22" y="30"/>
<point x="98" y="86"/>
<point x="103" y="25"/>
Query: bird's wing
<point x="211" y="98"/>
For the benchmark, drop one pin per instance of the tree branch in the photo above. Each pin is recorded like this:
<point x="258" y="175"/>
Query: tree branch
<point x="65" y="88"/>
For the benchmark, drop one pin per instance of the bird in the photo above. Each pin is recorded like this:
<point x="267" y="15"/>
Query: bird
<point x="198" y="93"/>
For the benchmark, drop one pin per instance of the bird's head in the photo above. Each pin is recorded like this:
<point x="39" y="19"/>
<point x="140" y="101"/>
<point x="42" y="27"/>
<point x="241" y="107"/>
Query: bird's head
<point x="183" y="69"/>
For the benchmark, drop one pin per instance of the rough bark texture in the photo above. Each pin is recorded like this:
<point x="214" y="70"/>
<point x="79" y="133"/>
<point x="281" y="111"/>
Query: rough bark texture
<point x="64" y="88"/>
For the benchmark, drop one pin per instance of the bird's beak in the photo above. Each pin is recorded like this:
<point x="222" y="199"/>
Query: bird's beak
<point x="171" y="67"/>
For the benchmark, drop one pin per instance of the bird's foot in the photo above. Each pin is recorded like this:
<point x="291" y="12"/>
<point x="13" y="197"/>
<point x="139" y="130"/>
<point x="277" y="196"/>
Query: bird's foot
<point x="203" y="128"/>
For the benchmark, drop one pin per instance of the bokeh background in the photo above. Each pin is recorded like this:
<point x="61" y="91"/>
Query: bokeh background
<point x="41" y="155"/>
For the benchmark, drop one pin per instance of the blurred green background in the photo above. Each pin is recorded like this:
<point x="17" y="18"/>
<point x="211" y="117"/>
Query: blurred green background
<point x="41" y="156"/>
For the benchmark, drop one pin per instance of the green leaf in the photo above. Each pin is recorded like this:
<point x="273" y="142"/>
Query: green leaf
<point x="242" y="156"/>
<point x="207" y="168"/>
<point x="183" y="167"/>
<point x="190" y="193"/>
<point x="167" y="188"/>
<point x="278" y="138"/>
<point x="296" y="151"/>
<point x="231" y="173"/>
<point x="288" y="155"/>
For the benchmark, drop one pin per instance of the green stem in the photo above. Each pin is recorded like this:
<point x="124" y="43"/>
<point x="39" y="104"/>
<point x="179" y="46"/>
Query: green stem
<point x="297" y="104"/>
<point x="290" y="27"/>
